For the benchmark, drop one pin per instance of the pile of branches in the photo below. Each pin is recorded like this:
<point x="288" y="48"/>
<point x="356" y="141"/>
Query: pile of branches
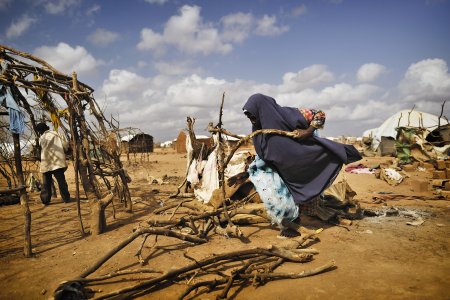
<point x="43" y="93"/>
<point x="219" y="273"/>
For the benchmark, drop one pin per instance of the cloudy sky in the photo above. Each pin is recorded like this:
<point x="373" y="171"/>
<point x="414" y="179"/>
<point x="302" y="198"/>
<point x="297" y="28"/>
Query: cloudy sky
<point x="154" y="62"/>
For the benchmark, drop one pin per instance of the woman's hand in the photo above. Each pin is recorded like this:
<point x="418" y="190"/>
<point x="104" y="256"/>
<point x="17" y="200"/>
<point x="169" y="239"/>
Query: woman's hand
<point x="304" y="133"/>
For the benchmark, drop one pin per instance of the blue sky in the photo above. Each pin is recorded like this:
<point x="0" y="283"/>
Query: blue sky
<point x="154" y="62"/>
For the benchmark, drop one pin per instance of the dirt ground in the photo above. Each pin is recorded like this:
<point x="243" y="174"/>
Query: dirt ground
<point x="376" y="257"/>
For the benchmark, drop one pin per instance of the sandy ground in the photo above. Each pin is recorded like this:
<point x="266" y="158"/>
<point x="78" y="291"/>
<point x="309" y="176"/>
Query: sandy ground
<point x="376" y="258"/>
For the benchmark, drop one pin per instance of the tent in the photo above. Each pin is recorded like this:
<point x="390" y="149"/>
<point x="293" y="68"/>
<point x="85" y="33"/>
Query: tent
<point x="404" y="118"/>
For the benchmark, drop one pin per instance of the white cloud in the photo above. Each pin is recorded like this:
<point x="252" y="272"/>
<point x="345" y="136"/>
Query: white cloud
<point x="159" y="105"/>
<point x="160" y="2"/>
<point x="426" y="80"/>
<point x="93" y="9"/>
<point x="175" y="68"/>
<point x="362" y="111"/>
<point x="142" y="64"/>
<point x="370" y="72"/>
<point x="122" y="82"/>
<point x="237" y="27"/>
<point x="299" y="10"/>
<point x="67" y="59"/>
<point x="353" y="120"/>
<point x="371" y="108"/>
<point x="266" y="26"/>
<point x="151" y="40"/>
<point x="189" y="33"/>
<point x="330" y="95"/>
<point x="57" y="7"/>
<point x="19" y="27"/>
<point x="196" y="89"/>
<point x="305" y="78"/>
<point x="103" y="37"/>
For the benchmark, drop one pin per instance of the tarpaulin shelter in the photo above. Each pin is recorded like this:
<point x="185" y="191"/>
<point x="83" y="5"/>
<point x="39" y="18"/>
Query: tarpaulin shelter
<point x="404" y="118"/>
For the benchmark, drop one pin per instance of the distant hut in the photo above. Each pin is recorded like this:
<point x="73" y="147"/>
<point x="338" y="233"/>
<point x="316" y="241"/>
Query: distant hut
<point x="137" y="143"/>
<point x="180" y="142"/>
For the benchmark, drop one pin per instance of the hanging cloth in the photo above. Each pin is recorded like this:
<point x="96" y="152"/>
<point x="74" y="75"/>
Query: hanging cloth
<point x="16" y="118"/>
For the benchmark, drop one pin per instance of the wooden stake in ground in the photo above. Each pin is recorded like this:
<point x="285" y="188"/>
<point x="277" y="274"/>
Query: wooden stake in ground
<point x="221" y="164"/>
<point x="76" y="163"/>
<point x="23" y="197"/>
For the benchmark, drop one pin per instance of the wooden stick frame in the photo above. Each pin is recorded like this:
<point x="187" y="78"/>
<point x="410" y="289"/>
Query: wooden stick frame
<point x="51" y="92"/>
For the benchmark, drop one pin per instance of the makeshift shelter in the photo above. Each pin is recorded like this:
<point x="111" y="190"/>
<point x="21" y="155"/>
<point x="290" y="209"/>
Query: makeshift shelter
<point x="133" y="141"/>
<point x="411" y="145"/>
<point x="404" y="118"/>
<point x="440" y="136"/>
<point x="138" y="143"/>
<point x="34" y="92"/>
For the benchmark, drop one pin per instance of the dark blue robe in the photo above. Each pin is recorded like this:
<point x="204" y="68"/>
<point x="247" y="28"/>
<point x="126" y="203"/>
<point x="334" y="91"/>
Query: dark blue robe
<point x="307" y="166"/>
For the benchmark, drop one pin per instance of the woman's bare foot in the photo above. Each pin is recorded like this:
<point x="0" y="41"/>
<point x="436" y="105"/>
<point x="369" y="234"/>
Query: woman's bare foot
<point x="285" y="223"/>
<point x="289" y="229"/>
<point x="288" y="233"/>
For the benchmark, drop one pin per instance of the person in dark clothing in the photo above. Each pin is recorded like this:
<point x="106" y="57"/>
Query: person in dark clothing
<point x="53" y="162"/>
<point x="307" y="164"/>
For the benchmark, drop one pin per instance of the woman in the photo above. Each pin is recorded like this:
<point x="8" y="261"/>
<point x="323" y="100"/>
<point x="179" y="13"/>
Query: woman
<point x="307" y="164"/>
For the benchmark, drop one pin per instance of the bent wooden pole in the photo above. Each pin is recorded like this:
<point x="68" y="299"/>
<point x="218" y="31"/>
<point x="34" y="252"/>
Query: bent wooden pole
<point x="133" y="236"/>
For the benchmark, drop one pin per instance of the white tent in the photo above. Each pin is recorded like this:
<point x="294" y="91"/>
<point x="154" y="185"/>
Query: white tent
<point x="369" y="132"/>
<point x="404" y="118"/>
<point x="166" y="144"/>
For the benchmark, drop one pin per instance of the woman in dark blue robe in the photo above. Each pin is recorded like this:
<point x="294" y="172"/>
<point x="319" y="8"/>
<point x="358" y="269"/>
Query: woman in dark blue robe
<point x="307" y="164"/>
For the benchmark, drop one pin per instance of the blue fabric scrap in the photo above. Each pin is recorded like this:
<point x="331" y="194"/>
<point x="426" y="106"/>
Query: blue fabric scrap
<point x="16" y="117"/>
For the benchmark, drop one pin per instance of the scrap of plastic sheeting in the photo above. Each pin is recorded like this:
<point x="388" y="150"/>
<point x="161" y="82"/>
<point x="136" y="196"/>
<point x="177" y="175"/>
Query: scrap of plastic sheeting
<point x="419" y="221"/>
<point x="210" y="179"/>
<point x="391" y="176"/>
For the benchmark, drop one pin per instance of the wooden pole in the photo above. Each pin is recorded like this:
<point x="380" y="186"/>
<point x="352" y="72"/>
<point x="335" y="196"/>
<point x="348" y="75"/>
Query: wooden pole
<point x="221" y="159"/>
<point x="84" y="137"/>
<point x="23" y="196"/>
<point x="76" y="164"/>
